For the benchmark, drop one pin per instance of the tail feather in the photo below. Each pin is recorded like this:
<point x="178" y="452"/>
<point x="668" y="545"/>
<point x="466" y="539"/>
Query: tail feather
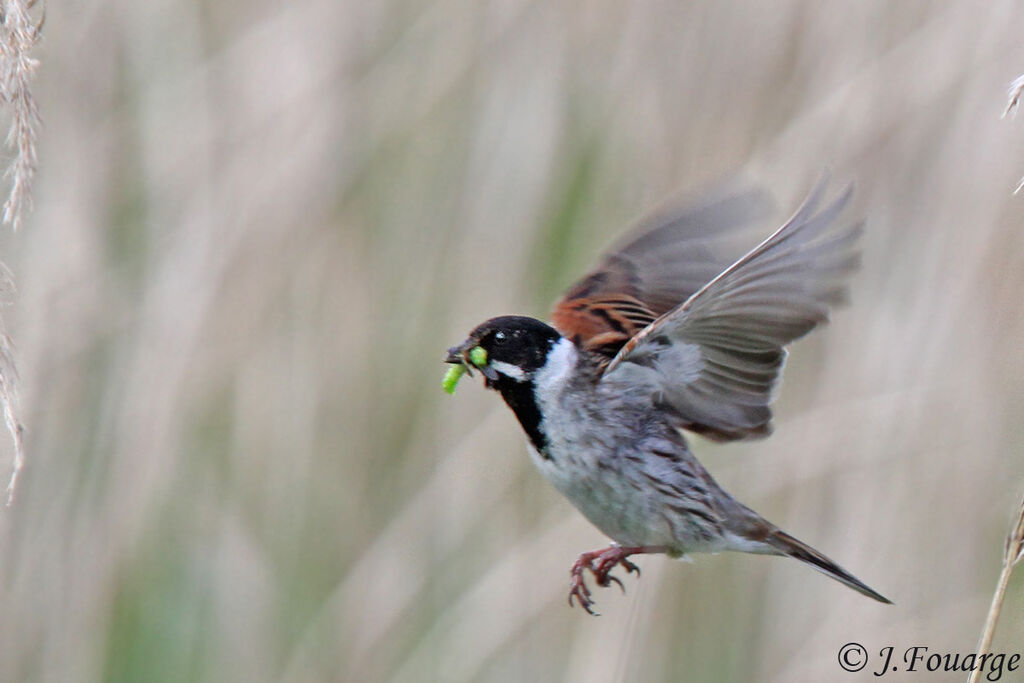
<point x="785" y="544"/>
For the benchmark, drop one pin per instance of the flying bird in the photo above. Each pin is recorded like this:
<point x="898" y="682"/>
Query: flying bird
<point x="664" y="337"/>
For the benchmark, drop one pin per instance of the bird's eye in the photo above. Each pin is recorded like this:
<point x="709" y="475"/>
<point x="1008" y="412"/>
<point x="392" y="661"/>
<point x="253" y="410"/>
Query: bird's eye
<point x="499" y="337"/>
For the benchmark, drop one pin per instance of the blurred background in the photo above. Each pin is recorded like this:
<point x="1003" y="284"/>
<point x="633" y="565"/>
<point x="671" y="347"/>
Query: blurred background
<point x="259" y="225"/>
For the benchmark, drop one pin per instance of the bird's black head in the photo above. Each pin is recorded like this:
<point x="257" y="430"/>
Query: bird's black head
<point x="515" y="346"/>
<point x="509" y="351"/>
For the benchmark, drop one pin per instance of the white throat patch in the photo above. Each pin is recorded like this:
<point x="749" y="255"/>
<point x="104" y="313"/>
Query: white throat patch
<point x="511" y="371"/>
<point x="561" y="361"/>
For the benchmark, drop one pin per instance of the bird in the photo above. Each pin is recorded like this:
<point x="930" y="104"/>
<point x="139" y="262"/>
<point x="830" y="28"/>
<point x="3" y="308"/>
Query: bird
<point x="662" y="338"/>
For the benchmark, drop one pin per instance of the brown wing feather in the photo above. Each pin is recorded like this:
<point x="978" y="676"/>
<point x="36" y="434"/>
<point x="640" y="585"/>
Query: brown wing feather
<point x="601" y="324"/>
<point x="667" y="258"/>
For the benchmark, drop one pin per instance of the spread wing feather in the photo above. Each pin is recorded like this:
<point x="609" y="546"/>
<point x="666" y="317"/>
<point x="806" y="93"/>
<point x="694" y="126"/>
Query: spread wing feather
<point x="669" y="256"/>
<point x="715" y="359"/>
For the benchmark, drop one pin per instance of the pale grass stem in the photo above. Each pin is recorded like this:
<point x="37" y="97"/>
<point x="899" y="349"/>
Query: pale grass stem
<point x="1013" y="553"/>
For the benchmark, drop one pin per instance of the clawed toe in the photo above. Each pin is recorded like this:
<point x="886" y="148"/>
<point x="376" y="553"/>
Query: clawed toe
<point x="600" y="563"/>
<point x="608" y="578"/>
<point x="578" y="590"/>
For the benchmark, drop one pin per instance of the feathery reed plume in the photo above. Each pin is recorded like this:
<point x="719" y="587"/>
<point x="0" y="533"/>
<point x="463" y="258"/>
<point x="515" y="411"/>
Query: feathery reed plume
<point x="1012" y="555"/>
<point x="8" y="400"/>
<point x="9" y="387"/>
<point x="18" y="34"/>
<point x="1013" y="97"/>
<point x="1012" y="102"/>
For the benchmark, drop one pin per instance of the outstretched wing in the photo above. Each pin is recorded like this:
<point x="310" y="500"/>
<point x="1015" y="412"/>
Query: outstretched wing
<point x="675" y="253"/>
<point x="715" y="360"/>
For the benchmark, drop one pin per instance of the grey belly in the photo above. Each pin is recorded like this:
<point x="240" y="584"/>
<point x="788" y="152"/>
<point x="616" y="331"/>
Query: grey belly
<point x="623" y="507"/>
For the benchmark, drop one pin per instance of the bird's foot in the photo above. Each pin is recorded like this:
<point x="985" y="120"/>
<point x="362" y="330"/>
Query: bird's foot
<point x="600" y="563"/>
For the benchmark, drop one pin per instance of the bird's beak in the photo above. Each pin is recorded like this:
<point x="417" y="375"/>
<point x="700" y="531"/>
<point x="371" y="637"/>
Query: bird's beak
<point x="459" y="355"/>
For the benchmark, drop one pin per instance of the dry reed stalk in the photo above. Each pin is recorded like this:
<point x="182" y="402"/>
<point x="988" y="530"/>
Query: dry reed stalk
<point x="1014" y="547"/>
<point x="1012" y="555"/>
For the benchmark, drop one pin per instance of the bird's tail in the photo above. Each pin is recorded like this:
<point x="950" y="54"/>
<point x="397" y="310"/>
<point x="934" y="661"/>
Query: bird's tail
<point x="784" y="544"/>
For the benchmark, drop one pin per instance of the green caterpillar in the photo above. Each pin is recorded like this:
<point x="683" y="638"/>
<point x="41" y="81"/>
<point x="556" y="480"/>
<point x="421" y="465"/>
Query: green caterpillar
<point x="477" y="356"/>
<point x="452" y="377"/>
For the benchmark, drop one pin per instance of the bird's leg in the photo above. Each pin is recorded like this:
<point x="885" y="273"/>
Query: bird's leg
<point x="600" y="563"/>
